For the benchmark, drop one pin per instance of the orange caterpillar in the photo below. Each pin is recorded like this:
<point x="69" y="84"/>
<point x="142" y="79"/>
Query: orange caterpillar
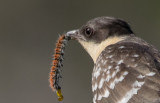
<point x="55" y="72"/>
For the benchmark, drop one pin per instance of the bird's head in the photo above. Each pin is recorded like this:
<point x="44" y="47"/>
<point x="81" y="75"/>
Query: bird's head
<point x="100" y="32"/>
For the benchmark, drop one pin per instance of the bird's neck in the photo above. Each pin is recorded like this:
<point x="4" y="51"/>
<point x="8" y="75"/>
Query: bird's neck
<point x="95" y="49"/>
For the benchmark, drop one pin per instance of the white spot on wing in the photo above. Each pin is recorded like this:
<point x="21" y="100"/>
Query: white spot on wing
<point x="117" y="80"/>
<point x="94" y="98"/>
<point x="122" y="47"/>
<point x="137" y="84"/>
<point x="94" y="101"/>
<point x="117" y="67"/>
<point x="97" y="72"/>
<point x="135" y="87"/>
<point x="104" y="62"/>
<point x="109" y="51"/>
<point x="135" y="55"/>
<point x="140" y="76"/>
<point x="120" y="62"/>
<point x="106" y="93"/>
<point x="101" y="83"/>
<point x="110" y="56"/>
<point x="135" y="65"/>
<point x="111" y="86"/>
<point x="129" y="95"/>
<point x="109" y="67"/>
<point x="94" y="87"/>
<point x="99" y="97"/>
<point x="108" y="72"/>
<point x="151" y="74"/>
<point x="125" y="73"/>
<point x="113" y="74"/>
<point x="108" y="78"/>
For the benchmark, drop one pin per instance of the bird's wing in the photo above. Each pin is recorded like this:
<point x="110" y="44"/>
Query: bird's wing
<point x="126" y="73"/>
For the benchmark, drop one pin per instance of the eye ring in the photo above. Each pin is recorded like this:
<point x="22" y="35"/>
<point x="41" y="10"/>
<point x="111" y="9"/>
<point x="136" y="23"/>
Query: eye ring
<point x="88" y="31"/>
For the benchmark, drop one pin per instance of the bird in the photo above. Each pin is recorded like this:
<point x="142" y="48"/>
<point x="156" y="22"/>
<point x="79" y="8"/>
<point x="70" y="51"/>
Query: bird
<point x="126" y="67"/>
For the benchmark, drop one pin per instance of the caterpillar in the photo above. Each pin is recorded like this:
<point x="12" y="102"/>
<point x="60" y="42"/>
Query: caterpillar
<point x="55" y="73"/>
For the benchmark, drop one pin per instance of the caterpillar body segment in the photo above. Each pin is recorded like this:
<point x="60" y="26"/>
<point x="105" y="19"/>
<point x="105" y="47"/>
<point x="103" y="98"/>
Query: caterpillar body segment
<point x="58" y="57"/>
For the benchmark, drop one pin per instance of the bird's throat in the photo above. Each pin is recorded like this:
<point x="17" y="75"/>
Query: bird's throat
<point x="94" y="49"/>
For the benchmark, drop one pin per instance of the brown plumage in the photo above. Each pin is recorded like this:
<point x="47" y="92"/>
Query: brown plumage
<point x="140" y="84"/>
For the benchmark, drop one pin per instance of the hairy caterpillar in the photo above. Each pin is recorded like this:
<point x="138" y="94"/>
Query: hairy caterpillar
<point x="55" y="73"/>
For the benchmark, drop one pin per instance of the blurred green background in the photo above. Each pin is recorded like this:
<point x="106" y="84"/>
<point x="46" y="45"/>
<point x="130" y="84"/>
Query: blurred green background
<point x="29" y="30"/>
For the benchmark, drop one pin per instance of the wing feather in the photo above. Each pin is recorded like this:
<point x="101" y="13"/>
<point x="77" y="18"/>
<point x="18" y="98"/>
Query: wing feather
<point x="126" y="73"/>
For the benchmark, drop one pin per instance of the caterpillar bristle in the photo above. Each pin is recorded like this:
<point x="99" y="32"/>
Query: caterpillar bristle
<point x="55" y="72"/>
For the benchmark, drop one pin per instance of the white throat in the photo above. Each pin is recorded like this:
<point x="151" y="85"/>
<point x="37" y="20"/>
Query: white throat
<point x="94" y="49"/>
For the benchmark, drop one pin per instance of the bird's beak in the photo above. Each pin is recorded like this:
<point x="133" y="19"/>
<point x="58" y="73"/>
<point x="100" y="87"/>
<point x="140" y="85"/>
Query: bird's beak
<point x="74" y="35"/>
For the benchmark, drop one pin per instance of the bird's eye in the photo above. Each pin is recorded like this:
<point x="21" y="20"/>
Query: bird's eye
<point x="88" y="31"/>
